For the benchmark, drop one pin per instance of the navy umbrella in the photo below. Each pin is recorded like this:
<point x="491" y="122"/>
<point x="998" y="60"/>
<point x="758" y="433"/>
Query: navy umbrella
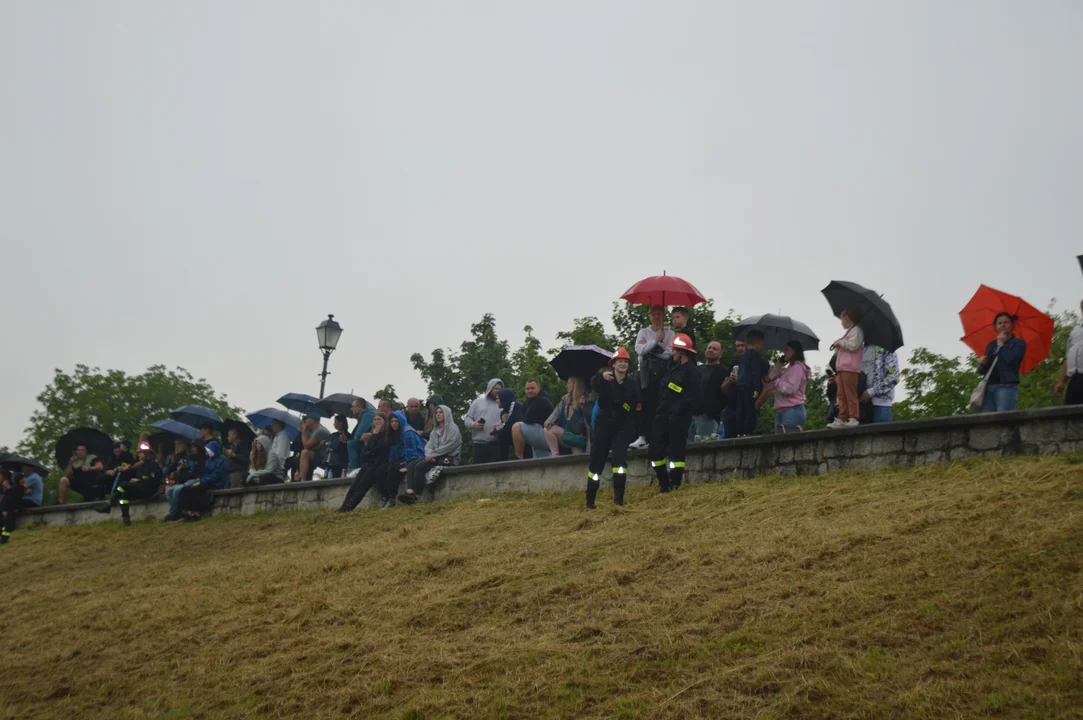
<point x="304" y="404"/>
<point x="97" y="443"/>
<point x="16" y="462"/>
<point x="777" y="331"/>
<point x="263" y="418"/>
<point x="196" y="415"/>
<point x="177" y="428"/>
<point x="580" y="361"/>
<point x="338" y="404"/>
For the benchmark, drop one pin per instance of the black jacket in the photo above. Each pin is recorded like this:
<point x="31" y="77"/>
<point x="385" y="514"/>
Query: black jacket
<point x="538" y="410"/>
<point x="617" y="402"/>
<point x="375" y="451"/>
<point x="149" y="473"/>
<point x="680" y="390"/>
<point x="241" y="452"/>
<point x="712" y="401"/>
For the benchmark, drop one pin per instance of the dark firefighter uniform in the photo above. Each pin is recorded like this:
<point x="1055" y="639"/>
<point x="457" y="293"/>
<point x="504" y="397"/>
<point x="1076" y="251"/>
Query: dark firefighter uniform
<point x="150" y="480"/>
<point x="614" y="428"/>
<point x="676" y="403"/>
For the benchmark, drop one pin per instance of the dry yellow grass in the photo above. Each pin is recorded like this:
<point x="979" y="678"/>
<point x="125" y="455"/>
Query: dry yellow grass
<point x="950" y="591"/>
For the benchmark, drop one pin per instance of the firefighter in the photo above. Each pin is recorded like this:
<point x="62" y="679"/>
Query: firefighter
<point x="615" y="426"/>
<point x="676" y="402"/>
<point x="141" y="484"/>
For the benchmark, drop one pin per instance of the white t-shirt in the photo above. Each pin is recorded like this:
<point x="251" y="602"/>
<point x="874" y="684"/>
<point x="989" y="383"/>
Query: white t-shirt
<point x="281" y="445"/>
<point x="1074" y="355"/>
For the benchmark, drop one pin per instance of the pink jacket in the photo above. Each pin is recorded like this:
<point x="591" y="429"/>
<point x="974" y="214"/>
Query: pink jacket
<point x="849" y="347"/>
<point x="790" y="386"/>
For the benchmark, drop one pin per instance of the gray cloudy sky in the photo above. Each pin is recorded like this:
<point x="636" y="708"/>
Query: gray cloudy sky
<point x="233" y="171"/>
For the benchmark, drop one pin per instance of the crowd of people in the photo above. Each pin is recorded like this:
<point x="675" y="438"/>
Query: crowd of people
<point x="672" y="400"/>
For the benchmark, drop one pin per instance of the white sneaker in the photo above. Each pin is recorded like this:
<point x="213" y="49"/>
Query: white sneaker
<point x="836" y="424"/>
<point x="640" y="443"/>
<point x="852" y="422"/>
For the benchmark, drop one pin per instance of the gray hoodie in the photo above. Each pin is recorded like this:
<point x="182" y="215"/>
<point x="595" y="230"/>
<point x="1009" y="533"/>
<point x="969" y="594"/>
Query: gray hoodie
<point x="487" y="409"/>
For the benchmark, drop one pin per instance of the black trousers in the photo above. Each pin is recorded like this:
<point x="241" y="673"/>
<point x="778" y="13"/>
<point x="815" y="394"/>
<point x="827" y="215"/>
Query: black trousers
<point x="8" y="525"/>
<point x="669" y="437"/>
<point x="367" y="477"/>
<point x="415" y="475"/>
<point x="92" y="486"/>
<point x="610" y="436"/>
<point x="487" y="452"/>
<point x="747" y="414"/>
<point x="128" y="491"/>
<point x="1073" y="394"/>
<point x="196" y="498"/>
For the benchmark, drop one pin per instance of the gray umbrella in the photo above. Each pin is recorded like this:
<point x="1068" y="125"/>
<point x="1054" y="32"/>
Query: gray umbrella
<point x="338" y="404"/>
<point x="777" y="331"/>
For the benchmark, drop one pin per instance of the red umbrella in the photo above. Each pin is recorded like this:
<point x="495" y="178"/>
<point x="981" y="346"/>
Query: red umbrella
<point x="663" y="290"/>
<point x="1032" y="325"/>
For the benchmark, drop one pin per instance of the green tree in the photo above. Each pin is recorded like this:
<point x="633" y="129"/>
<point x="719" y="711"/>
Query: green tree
<point x="387" y="392"/>
<point x="587" y="331"/>
<point x="118" y="404"/>
<point x="529" y="362"/>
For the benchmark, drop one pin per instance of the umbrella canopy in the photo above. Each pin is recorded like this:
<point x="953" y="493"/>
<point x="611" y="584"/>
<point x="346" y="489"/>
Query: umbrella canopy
<point x="15" y="462"/>
<point x="1032" y="325"/>
<point x="777" y="331"/>
<point x="97" y="443"/>
<point x="878" y="323"/>
<point x="162" y="442"/>
<point x="246" y="433"/>
<point x="338" y="404"/>
<point x="196" y="415"/>
<point x="176" y="428"/>
<point x="262" y="419"/>
<point x="663" y="290"/>
<point x="580" y="361"/>
<point x="304" y="404"/>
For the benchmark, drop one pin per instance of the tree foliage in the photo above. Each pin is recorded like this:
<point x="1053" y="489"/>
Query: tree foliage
<point x="387" y="392"/>
<point x="118" y="404"/>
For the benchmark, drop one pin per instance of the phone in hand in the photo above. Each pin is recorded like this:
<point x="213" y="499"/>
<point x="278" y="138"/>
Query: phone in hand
<point x="481" y="420"/>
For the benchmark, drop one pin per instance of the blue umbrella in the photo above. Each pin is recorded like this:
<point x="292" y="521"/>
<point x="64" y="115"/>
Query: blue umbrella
<point x="196" y="415"/>
<point x="304" y="404"/>
<point x="262" y="419"/>
<point x="169" y="425"/>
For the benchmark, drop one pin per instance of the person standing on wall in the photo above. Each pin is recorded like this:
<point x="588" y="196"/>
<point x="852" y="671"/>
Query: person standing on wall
<point x="1001" y="361"/>
<point x="1071" y="371"/>
<point x="618" y="405"/>
<point x="653" y="348"/>
<point x="676" y="402"/>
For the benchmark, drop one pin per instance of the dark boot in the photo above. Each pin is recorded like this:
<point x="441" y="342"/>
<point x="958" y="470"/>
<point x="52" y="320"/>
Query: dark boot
<point x="592" y="492"/>
<point x="662" y="473"/>
<point x="618" y="489"/>
<point x="675" y="477"/>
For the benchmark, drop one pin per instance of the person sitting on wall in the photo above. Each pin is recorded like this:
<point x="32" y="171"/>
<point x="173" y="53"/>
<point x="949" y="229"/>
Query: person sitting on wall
<point x="143" y="487"/>
<point x="265" y="465"/>
<point x="444" y="449"/>
<point x="83" y="475"/>
<point x="195" y="497"/>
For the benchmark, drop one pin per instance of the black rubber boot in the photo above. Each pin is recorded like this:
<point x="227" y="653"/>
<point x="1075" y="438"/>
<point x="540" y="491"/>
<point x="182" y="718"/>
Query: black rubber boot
<point x="663" y="478"/>
<point x="676" y="475"/>
<point x="592" y="493"/>
<point x="618" y="490"/>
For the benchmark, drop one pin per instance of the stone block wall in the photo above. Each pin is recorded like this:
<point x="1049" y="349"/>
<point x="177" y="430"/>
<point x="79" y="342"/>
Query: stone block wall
<point x="920" y="442"/>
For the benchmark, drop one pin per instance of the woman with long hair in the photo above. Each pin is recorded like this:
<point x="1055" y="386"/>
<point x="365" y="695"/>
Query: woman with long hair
<point x="787" y="382"/>
<point x="1000" y="364"/>
<point x="568" y="426"/>
<point x="444" y="449"/>
<point x="374" y="453"/>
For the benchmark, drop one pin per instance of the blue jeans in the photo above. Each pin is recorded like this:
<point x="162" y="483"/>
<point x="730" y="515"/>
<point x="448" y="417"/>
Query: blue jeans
<point x="535" y="438"/>
<point x="1000" y="398"/>
<point x="791" y="419"/>
<point x="172" y="494"/>
<point x="702" y="429"/>
<point x="881" y="413"/>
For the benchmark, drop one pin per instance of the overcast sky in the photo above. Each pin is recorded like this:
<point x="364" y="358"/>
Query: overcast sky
<point x="223" y="174"/>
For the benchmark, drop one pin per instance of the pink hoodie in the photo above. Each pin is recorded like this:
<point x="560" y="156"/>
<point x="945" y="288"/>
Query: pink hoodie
<point x="849" y="347"/>
<point x="790" y="386"/>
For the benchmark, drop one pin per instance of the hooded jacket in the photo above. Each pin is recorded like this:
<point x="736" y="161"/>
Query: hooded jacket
<point x="446" y="440"/>
<point x="411" y="447"/>
<point x="790" y="386"/>
<point x="215" y="469"/>
<point x="513" y="409"/>
<point x="487" y="409"/>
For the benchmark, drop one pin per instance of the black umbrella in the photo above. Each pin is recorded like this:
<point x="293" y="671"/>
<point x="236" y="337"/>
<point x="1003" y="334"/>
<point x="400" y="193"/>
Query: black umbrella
<point x="777" y="331"/>
<point x="97" y="443"/>
<point x="580" y="361"/>
<point x="16" y="462"/>
<point x="246" y="433"/>
<point x="338" y="404"/>
<point x="878" y="323"/>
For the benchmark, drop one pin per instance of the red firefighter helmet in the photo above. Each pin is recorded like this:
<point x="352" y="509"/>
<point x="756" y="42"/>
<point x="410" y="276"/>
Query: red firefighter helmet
<point x="620" y="354"/>
<point x="682" y="342"/>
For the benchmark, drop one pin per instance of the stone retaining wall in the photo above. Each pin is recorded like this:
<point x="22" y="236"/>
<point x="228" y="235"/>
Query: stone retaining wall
<point x="919" y="442"/>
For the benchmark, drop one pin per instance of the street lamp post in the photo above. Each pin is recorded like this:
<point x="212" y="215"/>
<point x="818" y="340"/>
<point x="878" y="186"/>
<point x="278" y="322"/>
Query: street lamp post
<point x="328" y="332"/>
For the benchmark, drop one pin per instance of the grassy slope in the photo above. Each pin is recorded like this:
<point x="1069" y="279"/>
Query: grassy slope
<point x="942" y="592"/>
